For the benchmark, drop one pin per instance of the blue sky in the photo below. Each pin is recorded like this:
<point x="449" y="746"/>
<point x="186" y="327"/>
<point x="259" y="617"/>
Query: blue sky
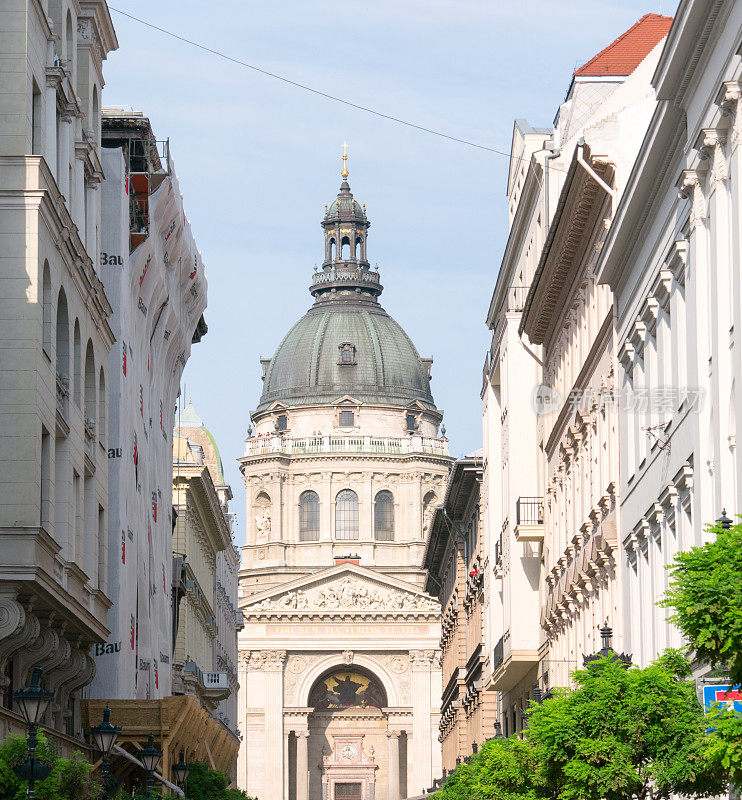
<point x="257" y="160"/>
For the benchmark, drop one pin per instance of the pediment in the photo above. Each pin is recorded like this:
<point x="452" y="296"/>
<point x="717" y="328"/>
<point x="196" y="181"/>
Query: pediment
<point x="415" y="405"/>
<point x="347" y="400"/>
<point x="277" y="405"/>
<point x="344" y="589"/>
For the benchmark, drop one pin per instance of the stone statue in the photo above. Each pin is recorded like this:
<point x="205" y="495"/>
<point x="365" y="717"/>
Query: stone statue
<point x="263" y="521"/>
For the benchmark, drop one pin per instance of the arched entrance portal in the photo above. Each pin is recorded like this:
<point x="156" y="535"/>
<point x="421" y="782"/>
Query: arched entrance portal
<point x="349" y="750"/>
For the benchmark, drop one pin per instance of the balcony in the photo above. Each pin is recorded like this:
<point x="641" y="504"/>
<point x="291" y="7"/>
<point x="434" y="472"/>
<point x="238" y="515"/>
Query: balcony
<point x="320" y="445"/>
<point x="510" y="666"/>
<point x="209" y="687"/>
<point x="529" y="516"/>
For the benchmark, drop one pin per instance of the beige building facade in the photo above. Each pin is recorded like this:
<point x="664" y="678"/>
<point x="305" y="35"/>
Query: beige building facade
<point x="339" y="657"/>
<point x="54" y="364"/>
<point x="455" y="559"/>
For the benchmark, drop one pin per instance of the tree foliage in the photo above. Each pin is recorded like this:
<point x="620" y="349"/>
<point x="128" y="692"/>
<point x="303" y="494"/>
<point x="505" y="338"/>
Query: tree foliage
<point x="210" y="784"/>
<point x="69" y="779"/>
<point x="619" y="734"/>
<point x="706" y="593"/>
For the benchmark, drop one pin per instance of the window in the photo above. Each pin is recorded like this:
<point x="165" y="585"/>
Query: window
<point x="345" y="248"/>
<point x="282" y="422"/>
<point x="91" y="392"/>
<point x="36" y="119"/>
<point x="347" y="791"/>
<point x="384" y="517"/>
<point x="309" y="517"/>
<point x="77" y="365"/>
<point x="347" y="419"/>
<point x="63" y="337"/>
<point x="411" y="422"/>
<point x="346" y="515"/>
<point x="102" y="408"/>
<point x="46" y="310"/>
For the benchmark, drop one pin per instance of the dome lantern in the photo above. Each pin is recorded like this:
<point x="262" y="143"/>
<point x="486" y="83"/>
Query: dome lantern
<point x="345" y="266"/>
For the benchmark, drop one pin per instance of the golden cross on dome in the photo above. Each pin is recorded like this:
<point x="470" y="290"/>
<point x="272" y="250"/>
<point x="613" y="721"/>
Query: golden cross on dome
<point x="344" y="173"/>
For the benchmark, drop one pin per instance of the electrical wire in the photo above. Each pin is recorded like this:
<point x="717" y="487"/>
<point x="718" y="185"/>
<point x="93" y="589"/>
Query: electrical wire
<point x="318" y="92"/>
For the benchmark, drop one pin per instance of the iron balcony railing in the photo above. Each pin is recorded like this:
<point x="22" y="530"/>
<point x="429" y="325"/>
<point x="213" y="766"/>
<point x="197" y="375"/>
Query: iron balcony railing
<point x="529" y="511"/>
<point x="498" y="656"/>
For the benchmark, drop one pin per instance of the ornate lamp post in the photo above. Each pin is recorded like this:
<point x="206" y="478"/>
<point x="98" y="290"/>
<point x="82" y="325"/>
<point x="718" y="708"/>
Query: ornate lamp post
<point x="104" y="738"/>
<point x="33" y="703"/>
<point x="180" y="771"/>
<point x="724" y="520"/>
<point x="150" y="757"/>
<point x="606" y="651"/>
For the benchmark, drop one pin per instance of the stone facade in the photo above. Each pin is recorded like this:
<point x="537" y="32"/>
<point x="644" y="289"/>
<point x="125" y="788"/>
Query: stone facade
<point x="455" y="558"/>
<point x="551" y="503"/>
<point x="54" y="593"/>
<point x="672" y="259"/>
<point x="339" y="663"/>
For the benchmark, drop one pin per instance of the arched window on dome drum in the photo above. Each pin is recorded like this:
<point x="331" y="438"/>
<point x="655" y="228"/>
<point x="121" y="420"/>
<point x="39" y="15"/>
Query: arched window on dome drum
<point x="332" y="249"/>
<point x="384" y="517"/>
<point x="346" y="515"/>
<point x="345" y="248"/>
<point x="309" y="517"/>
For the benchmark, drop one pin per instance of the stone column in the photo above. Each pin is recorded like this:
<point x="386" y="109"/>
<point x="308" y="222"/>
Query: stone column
<point x="91" y="232"/>
<point x="422" y="738"/>
<point x="50" y="134"/>
<point x="273" y="667"/>
<point x="393" y="741"/>
<point x="302" y="765"/>
<point x="63" y="158"/>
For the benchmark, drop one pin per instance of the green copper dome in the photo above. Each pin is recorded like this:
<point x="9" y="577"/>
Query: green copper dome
<point x="346" y="344"/>
<point x="346" y="348"/>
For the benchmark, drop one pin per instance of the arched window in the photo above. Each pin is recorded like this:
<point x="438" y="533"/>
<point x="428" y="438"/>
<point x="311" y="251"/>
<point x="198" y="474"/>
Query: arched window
<point x="63" y="338"/>
<point x="91" y="393"/>
<point x="345" y="248"/>
<point x="77" y="365"/>
<point x="332" y="249"/>
<point x="96" y="113"/>
<point x="46" y="309"/>
<point x="346" y="515"/>
<point x="309" y="517"/>
<point x="102" y="407"/>
<point x="384" y="517"/>
<point x="357" y="248"/>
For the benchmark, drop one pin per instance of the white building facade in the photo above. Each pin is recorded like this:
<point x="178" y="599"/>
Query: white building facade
<point x="56" y="339"/>
<point x="672" y="259"/>
<point x="571" y="317"/>
<point x="338" y="660"/>
<point x="154" y="277"/>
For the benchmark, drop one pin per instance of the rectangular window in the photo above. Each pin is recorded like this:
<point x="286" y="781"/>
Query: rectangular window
<point x="411" y="422"/>
<point x="282" y="422"/>
<point x="347" y="419"/>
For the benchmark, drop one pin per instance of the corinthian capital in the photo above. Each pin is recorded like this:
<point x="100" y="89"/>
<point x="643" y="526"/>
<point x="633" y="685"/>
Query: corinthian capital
<point x="421" y="659"/>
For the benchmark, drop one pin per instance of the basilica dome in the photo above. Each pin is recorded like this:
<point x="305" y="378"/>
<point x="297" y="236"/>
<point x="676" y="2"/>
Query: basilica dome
<point x="346" y="344"/>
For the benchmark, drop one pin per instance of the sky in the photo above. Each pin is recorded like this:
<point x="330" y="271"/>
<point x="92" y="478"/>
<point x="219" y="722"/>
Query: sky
<point x="257" y="159"/>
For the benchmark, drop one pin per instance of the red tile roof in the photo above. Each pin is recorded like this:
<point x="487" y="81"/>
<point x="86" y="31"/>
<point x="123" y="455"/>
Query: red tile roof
<point x="624" y="55"/>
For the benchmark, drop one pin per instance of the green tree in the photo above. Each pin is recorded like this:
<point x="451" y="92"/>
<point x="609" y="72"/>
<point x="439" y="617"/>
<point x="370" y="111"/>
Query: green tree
<point x="210" y="784"/>
<point x="706" y="594"/>
<point x="619" y="734"/>
<point x="503" y="769"/>
<point x="627" y="733"/>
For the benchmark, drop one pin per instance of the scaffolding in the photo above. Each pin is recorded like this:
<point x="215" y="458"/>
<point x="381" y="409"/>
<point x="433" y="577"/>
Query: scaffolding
<point x="149" y="164"/>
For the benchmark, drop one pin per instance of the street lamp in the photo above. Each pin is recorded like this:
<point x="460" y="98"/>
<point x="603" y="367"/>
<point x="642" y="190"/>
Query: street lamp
<point x="104" y="738"/>
<point x="150" y="757"/>
<point x="33" y="703"/>
<point x="180" y="771"/>
<point x="724" y="520"/>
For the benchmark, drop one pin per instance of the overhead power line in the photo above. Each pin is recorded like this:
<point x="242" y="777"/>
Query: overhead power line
<point x="311" y="89"/>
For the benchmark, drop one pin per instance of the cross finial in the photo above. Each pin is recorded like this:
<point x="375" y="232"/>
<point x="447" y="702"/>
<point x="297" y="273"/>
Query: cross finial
<point x="344" y="173"/>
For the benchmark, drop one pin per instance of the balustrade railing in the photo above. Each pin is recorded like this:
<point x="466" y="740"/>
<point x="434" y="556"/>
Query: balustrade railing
<point x="262" y="445"/>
